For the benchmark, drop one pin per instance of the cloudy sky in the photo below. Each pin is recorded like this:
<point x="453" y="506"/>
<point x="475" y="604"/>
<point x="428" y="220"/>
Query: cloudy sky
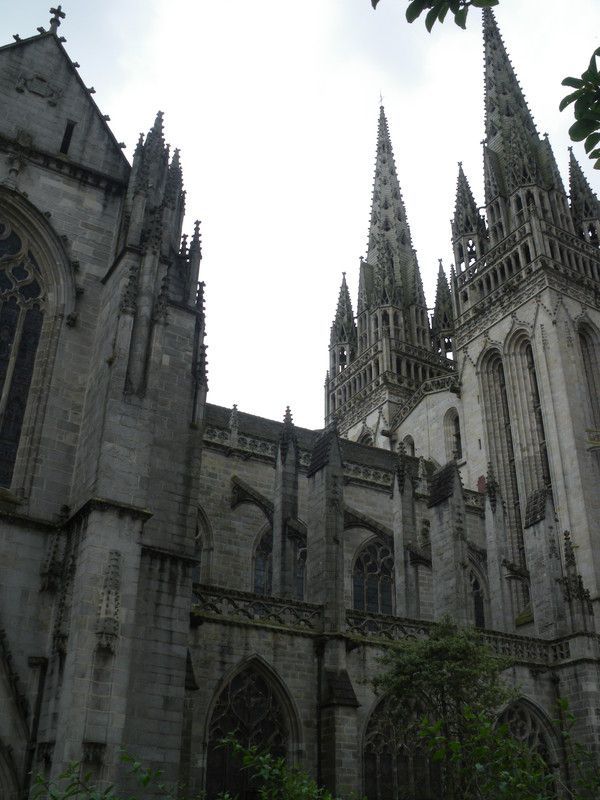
<point x="274" y="105"/>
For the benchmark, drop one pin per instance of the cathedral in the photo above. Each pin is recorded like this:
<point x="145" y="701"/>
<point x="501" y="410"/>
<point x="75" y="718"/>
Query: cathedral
<point x="172" y="570"/>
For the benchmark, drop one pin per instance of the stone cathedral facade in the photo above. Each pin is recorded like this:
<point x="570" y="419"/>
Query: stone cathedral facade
<point x="171" y="570"/>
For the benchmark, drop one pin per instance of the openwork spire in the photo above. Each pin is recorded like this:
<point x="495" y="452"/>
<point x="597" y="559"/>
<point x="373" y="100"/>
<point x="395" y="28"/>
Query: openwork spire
<point x="514" y="154"/>
<point x="388" y="214"/>
<point x="390" y="251"/>
<point x="504" y="98"/>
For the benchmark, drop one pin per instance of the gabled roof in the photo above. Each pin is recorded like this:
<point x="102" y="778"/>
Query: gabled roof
<point x="48" y="39"/>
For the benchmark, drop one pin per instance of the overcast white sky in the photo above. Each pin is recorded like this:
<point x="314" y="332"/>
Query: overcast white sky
<point x="274" y="105"/>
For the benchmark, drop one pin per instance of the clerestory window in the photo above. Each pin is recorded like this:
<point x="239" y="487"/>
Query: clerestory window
<point x="373" y="579"/>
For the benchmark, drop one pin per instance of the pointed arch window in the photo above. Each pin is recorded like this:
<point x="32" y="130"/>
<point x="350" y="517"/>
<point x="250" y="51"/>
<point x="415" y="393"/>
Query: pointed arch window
<point x="21" y="317"/>
<point x="263" y="564"/>
<point x="526" y="726"/>
<point x="501" y="445"/>
<point x="478" y="600"/>
<point x="373" y="579"/>
<point x="396" y="763"/>
<point x="589" y="343"/>
<point x="250" y="710"/>
<point x="453" y="437"/>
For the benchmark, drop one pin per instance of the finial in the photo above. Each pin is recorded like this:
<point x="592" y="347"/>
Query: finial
<point x="57" y="15"/>
<point x="460" y="163"/>
<point x="380" y="100"/>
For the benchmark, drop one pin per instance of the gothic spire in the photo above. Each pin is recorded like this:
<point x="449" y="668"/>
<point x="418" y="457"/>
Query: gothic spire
<point x="442" y="321"/>
<point x="584" y="203"/>
<point x="390" y="250"/>
<point x="512" y="153"/>
<point x="343" y="328"/>
<point x="467" y="219"/>
<point x="504" y="98"/>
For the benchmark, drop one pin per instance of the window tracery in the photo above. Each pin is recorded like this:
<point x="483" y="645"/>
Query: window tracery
<point x="249" y="710"/>
<point x="373" y="578"/>
<point x="396" y="763"/>
<point x="21" y="317"/>
<point x="525" y="726"/>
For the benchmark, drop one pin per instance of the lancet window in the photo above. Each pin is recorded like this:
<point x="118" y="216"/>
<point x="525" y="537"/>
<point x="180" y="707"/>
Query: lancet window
<point x="501" y="447"/>
<point x="590" y="352"/>
<point x="536" y="405"/>
<point x="21" y="317"/>
<point x="452" y="435"/>
<point x="248" y="709"/>
<point x="373" y="579"/>
<point x="396" y="762"/>
<point x="478" y="600"/>
<point x="263" y="564"/>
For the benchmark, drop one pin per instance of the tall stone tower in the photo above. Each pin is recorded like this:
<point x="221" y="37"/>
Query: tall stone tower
<point x="377" y="363"/>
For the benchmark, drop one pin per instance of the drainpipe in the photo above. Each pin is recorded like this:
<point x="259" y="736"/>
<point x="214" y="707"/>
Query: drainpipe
<point x="42" y="664"/>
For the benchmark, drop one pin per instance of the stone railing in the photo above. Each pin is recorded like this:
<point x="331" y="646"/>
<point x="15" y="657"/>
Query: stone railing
<point x="213" y="602"/>
<point x="380" y="626"/>
<point x="520" y="649"/>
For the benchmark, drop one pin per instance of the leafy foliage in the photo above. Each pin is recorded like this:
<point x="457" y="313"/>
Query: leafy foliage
<point x="274" y="778"/>
<point x="457" y="678"/>
<point x="450" y="670"/>
<point x="486" y="763"/>
<point x="438" y="9"/>
<point x="586" y="99"/>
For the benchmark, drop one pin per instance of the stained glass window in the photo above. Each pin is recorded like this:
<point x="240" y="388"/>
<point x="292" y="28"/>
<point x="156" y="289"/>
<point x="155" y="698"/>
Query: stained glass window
<point x="249" y="710"/>
<point x="21" y="316"/>
<point x="373" y="578"/>
<point x="396" y="762"/>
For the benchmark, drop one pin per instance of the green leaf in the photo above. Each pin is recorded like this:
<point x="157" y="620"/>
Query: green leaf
<point x="575" y="83"/>
<point x="591" y="141"/>
<point x="580" y="129"/>
<point x="568" y="99"/>
<point x="484" y="3"/>
<point x="431" y="17"/>
<point x="595" y="153"/>
<point x="461" y="17"/>
<point x="414" y="10"/>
